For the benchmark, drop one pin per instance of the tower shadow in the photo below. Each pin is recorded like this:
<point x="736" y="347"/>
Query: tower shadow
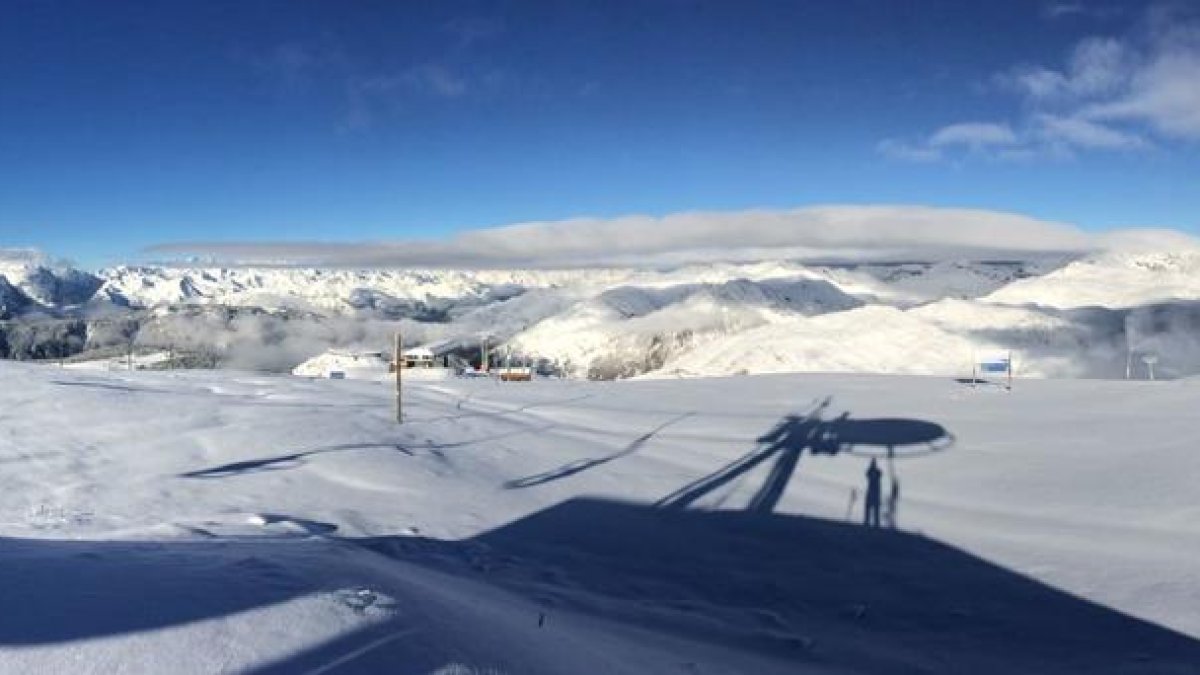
<point x="795" y="434"/>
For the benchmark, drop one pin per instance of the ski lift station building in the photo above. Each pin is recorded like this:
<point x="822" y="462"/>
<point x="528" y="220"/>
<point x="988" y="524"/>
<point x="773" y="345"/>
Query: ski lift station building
<point x="419" y="357"/>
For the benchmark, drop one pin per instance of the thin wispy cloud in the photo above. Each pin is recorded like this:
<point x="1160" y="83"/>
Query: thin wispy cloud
<point x="437" y="79"/>
<point x="1063" y="10"/>
<point x="974" y="135"/>
<point x="296" y="65"/>
<point x="836" y="232"/>
<point x="469" y="30"/>
<point x="370" y="98"/>
<point x="894" y="148"/>
<point x="20" y="255"/>
<point x="1122" y="94"/>
<point x="1080" y="132"/>
<point x="987" y="138"/>
<point x="369" y="91"/>
<point x="1055" y="10"/>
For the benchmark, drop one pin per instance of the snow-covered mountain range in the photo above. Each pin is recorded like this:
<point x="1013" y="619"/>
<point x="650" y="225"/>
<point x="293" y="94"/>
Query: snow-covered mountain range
<point x="1093" y="316"/>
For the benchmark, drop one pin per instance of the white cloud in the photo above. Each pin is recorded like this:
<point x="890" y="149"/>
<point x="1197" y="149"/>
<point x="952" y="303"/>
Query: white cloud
<point x="1082" y="133"/>
<point x="1096" y="67"/>
<point x="1165" y="94"/>
<point x="1066" y="10"/>
<point x="897" y="149"/>
<point x="837" y="232"/>
<point x="1111" y="93"/>
<point x="973" y="135"/>
<point x="21" y="255"/>
<point x="1055" y="10"/>
<point x="980" y="139"/>
<point x="1147" y="240"/>
<point x="368" y="97"/>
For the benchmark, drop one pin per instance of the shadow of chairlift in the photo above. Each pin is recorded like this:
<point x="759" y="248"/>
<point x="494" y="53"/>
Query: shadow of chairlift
<point x="882" y="437"/>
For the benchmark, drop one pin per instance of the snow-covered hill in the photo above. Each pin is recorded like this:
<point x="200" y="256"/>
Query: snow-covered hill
<point x="1111" y="279"/>
<point x="630" y="330"/>
<point x="35" y="283"/>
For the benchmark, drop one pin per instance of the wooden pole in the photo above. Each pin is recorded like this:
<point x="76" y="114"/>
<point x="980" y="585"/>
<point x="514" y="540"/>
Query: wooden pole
<point x="398" y="360"/>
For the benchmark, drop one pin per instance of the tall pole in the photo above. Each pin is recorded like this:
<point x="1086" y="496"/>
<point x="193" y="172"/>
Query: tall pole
<point x="398" y="360"/>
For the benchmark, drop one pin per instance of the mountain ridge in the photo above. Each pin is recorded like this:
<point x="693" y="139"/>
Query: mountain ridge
<point x="693" y="320"/>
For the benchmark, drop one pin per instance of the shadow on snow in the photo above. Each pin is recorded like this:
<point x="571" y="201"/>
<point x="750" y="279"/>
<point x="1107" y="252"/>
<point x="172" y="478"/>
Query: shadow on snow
<point x="803" y="593"/>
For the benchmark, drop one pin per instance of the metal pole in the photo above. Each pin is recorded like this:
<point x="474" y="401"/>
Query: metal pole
<point x="399" y="356"/>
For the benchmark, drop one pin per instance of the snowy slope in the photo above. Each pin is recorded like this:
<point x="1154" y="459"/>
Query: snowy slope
<point x="629" y="329"/>
<point x="49" y="285"/>
<point x="940" y="338"/>
<point x="870" y="339"/>
<point x="13" y="301"/>
<point x="907" y="285"/>
<point x="1111" y="279"/>
<point x="224" y="522"/>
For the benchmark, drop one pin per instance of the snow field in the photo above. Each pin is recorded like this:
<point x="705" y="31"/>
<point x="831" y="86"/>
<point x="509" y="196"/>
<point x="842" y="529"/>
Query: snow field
<point x="226" y="522"/>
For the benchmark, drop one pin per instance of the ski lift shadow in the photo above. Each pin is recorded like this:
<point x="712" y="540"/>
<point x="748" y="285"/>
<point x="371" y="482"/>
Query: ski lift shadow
<point x="884" y="437"/>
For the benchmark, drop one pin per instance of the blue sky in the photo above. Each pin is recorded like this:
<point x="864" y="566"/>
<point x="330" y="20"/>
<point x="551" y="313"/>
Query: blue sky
<point x="127" y="125"/>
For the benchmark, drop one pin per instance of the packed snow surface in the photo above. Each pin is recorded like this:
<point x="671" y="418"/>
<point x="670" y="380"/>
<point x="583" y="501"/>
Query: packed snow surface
<point x="200" y="522"/>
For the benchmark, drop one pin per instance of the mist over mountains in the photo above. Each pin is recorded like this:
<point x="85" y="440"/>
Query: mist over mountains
<point x="1090" y="315"/>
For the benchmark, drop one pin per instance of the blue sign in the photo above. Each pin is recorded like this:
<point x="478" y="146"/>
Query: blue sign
<point x="994" y="366"/>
